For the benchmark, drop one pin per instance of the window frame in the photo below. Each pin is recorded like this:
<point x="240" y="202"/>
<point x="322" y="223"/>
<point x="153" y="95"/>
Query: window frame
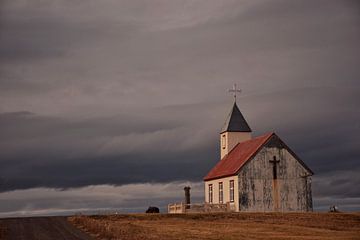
<point x="232" y="192"/>
<point x="223" y="141"/>
<point x="211" y="193"/>
<point x="221" y="192"/>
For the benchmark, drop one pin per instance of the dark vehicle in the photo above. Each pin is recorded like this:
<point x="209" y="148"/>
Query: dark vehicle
<point x="153" y="210"/>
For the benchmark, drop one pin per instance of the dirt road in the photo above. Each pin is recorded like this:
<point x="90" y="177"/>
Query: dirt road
<point x="39" y="228"/>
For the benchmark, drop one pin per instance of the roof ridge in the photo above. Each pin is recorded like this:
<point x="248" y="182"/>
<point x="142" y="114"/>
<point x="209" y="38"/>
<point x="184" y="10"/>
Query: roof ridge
<point x="230" y="151"/>
<point x="268" y="136"/>
<point x="248" y="153"/>
<point x="255" y="138"/>
<point x="261" y="136"/>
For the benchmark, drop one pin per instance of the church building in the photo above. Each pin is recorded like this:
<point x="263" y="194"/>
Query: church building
<point x="257" y="174"/>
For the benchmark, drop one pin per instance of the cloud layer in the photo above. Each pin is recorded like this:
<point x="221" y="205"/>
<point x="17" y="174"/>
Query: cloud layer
<point x="95" y="199"/>
<point x="134" y="92"/>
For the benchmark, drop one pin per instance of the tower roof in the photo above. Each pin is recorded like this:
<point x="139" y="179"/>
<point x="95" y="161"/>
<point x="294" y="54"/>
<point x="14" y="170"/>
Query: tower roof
<point x="235" y="122"/>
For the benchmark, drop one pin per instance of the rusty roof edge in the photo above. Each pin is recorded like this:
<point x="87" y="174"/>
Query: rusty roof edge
<point x="222" y="176"/>
<point x="256" y="152"/>
<point x="220" y="161"/>
<point x="287" y="148"/>
<point x="249" y="158"/>
<point x="230" y="151"/>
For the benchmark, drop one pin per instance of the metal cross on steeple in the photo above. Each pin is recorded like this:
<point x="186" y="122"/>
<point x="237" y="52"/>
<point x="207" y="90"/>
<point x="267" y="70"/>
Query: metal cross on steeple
<point x="234" y="90"/>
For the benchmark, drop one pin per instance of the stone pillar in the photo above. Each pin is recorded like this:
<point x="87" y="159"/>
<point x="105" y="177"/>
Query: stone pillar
<point x="187" y="196"/>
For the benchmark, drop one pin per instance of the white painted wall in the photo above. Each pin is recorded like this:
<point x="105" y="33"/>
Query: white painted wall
<point x="226" y="191"/>
<point x="228" y="140"/>
<point x="256" y="183"/>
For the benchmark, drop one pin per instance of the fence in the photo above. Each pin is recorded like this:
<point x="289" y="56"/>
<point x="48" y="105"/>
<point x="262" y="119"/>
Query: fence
<point x="200" y="207"/>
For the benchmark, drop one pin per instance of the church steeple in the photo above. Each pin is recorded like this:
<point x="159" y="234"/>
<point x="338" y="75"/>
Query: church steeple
<point x="235" y="129"/>
<point x="235" y="122"/>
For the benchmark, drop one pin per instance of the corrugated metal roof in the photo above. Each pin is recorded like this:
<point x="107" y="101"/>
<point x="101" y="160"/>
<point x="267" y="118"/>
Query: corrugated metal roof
<point x="235" y="159"/>
<point x="240" y="154"/>
<point x="235" y="121"/>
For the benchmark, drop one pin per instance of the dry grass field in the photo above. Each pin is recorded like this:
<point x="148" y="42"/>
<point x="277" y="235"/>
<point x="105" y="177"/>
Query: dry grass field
<point x="222" y="226"/>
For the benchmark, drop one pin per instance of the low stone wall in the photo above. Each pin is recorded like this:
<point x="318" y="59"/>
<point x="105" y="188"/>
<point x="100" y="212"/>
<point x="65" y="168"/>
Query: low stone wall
<point x="199" y="208"/>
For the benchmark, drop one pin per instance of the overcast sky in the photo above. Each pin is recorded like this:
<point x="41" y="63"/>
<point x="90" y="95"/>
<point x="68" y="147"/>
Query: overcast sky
<point x="110" y="103"/>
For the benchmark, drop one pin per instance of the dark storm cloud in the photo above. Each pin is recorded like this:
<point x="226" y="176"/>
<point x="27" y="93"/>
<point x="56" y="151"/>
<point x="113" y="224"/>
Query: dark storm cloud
<point x="338" y="184"/>
<point x="94" y="199"/>
<point x="122" y="92"/>
<point x="320" y="123"/>
<point x="38" y="150"/>
<point x="127" y="149"/>
<point x="39" y="31"/>
<point x="30" y="36"/>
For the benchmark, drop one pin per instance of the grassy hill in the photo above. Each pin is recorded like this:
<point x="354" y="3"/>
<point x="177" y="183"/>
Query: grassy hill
<point x="222" y="226"/>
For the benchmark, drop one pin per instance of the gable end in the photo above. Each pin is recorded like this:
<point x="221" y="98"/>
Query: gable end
<point x="275" y="141"/>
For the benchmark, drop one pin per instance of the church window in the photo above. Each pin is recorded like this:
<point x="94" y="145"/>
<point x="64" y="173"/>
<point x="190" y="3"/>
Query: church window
<point x="221" y="193"/>
<point x="223" y="141"/>
<point x="210" y="193"/>
<point x="231" y="190"/>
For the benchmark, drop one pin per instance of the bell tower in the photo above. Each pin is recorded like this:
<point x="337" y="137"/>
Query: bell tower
<point x="235" y="129"/>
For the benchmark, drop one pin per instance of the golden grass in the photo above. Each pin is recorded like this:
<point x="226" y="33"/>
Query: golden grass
<point x="224" y="226"/>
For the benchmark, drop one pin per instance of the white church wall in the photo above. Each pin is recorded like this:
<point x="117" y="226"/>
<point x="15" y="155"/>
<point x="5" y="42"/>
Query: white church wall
<point x="226" y="191"/>
<point x="228" y="140"/>
<point x="258" y="191"/>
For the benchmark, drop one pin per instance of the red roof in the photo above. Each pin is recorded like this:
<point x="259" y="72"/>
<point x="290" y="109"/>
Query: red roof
<point x="237" y="157"/>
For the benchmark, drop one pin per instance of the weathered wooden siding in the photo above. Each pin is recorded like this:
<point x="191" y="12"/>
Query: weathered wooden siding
<point x="259" y="191"/>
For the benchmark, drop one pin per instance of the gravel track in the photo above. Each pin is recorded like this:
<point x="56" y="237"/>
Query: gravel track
<point x="40" y="228"/>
